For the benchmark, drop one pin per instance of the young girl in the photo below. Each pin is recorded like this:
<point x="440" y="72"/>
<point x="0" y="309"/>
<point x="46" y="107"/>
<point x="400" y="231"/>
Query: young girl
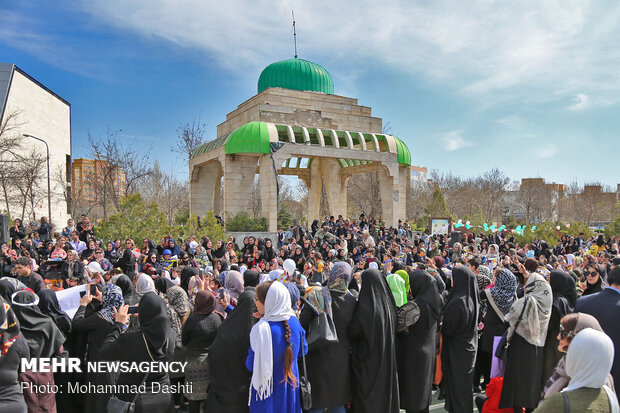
<point x="276" y="342"/>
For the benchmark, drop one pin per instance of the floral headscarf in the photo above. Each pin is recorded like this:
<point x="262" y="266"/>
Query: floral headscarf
<point x="112" y="298"/>
<point x="340" y="277"/>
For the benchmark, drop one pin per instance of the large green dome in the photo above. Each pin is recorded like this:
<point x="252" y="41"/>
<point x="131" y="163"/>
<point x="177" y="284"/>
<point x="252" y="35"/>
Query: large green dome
<point x="296" y="74"/>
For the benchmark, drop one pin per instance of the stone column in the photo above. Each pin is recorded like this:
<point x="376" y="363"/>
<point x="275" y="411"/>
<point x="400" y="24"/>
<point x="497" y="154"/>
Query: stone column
<point x="204" y="185"/>
<point x="388" y="196"/>
<point x="314" y="190"/>
<point x="335" y="187"/>
<point x="238" y="180"/>
<point x="393" y="193"/>
<point x="268" y="192"/>
<point x="400" y="206"/>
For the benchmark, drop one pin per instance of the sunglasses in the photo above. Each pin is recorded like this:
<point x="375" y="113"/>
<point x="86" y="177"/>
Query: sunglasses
<point x="592" y="274"/>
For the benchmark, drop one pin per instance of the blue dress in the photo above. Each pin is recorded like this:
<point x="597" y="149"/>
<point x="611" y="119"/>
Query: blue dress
<point x="284" y="398"/>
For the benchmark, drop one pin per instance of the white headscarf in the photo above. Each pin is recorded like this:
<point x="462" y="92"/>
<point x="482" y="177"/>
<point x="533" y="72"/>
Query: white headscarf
<point x="587" y="370"/>
<point x="277" y="308"/>
<point x="144" y="285"/>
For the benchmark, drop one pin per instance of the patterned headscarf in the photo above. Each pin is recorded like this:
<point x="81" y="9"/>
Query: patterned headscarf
<point x="177" y="309"/>
<point x="112" y="298"/>
<point x="504" y="290"/>
<point x="340" y="277"/>
<point x="177" y="300"/>
<point x="320" y="299"/>
<point x="483" y="277"/>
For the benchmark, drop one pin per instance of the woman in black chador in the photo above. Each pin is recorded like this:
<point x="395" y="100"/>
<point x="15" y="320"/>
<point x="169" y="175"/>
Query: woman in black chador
<point x="374" y="382"/>
<point x="460" y="340"/>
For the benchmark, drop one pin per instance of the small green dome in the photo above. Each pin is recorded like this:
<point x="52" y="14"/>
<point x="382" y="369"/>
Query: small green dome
<point x="296" y="74"/>
<point x="404" y="156"/>
<point x="252" y="137"/>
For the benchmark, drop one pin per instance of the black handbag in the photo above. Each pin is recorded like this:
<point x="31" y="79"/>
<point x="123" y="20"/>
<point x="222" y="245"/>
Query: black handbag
<point x="322" y="330"/>
<point x="304" y="388"/>
<point x="116" y="405"/>
<point x="501" y="352"/>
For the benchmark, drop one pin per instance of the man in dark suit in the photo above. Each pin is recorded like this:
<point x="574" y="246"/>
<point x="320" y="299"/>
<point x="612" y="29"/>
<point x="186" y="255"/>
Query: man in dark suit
<point x="605" y="307"/>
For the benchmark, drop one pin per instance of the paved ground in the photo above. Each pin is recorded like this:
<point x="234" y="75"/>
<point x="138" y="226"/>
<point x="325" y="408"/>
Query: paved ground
<point x="437" y="406"/>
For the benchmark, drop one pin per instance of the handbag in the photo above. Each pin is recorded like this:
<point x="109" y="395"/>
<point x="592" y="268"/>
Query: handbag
<point x="322" y="330"/>
<point x="502" y="347"/>
<point x="116" y="405"/>
<point x="305" y="388"/>
<point x="406" y="316"/>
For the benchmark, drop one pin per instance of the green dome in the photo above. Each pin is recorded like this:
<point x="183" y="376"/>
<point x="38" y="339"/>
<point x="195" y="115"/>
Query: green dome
<point x="404" y="156"/>
<point x="252" y="137"/>
<point x="296" y="74"/>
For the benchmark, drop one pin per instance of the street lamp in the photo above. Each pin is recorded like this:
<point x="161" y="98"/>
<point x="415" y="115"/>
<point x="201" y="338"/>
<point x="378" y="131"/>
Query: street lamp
<point x="49" y="186"/>
<point x="505" y="211"/>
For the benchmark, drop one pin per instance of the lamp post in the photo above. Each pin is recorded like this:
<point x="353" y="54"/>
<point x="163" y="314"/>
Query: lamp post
<point x="49" y="186"/>
<point x="505" y="211"/>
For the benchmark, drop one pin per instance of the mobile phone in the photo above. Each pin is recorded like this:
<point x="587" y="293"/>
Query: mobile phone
<point x="220" y="292"/>
<point x="93" y="289"/>
<point x="132" y="310"/>
<point x="82" y="294"/>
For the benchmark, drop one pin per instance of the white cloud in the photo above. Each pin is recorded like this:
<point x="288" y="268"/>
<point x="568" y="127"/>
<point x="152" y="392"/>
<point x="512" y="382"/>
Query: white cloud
<point x="518" y="46"/>
<point x="491" y="50"/>
<point x="581" y="101"/>
<point x="545" y="152"/>
<point x="453" y="141"/>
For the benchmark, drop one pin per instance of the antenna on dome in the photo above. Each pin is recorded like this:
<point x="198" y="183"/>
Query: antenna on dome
<point x="294" y="33"/>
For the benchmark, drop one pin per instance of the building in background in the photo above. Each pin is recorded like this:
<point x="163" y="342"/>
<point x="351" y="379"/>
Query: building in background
<point x="28" y="107"/>
<point x="95" y="183"/>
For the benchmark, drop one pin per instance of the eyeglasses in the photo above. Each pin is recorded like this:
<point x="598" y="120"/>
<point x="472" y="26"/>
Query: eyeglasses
<point x="592" y="274"/>
<point x="99" y="252"/>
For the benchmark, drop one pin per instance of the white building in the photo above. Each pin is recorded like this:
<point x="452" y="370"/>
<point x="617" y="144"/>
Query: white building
<point x="34" y="109"/>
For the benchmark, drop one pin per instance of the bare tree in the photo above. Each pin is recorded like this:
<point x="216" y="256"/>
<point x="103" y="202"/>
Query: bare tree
<point x="535" y="199"/>
<point x="189" y="136"/>
<point x="364" y="195"/>
<point x="493" y="185"/>
<point x="294" y="196"/>
<point x="119" y="167"/>
<point x="169" y="193"/>
<point x="418" y="198"/>
<point x="255" y="199"/>
<point x="10" y="147"/>
<point x="591" y="202"/>
<point x="29" y="173"/>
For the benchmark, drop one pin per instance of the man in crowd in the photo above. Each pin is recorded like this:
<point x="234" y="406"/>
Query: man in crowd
<point x="32" y="280"/>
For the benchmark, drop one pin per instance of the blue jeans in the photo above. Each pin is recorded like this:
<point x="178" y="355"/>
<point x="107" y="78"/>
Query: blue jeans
<point x="339" y="409"/>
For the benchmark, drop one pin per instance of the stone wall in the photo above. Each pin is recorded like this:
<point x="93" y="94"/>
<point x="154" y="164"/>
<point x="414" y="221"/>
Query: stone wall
<point x="304" y="108"/>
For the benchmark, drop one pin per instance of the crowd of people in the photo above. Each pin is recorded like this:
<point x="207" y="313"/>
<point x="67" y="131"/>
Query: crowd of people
<point x="374" y="319"/>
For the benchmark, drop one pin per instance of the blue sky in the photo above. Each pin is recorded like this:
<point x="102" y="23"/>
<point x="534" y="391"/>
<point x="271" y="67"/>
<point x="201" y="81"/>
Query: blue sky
<point x="530" y="87"/>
